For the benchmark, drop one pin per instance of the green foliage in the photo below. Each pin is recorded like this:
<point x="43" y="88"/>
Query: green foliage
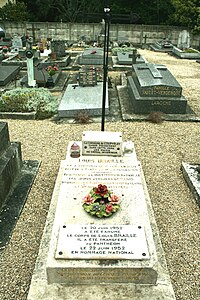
<point x="28" y="100"/>
<point x="14" y="12"/>
<point x="187" y="13"/>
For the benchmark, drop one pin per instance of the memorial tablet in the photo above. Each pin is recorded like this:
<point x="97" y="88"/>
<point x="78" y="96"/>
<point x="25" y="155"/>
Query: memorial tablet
<point x="102" y="143"/>
<point x="101" y="242"/>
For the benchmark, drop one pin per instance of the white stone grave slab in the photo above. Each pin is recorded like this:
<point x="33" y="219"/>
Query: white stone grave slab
<point x="41" y="289"/>
<point x="101" y="242"/>
<point x="87" y="99"/>
<point x="102" y="143"/>
<point x="124" y="178"/>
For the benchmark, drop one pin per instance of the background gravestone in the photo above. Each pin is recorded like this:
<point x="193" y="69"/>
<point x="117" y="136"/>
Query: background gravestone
<point x="184" y="40"/>
<point x="17" y="43"/>
<point x="58" y="47"/>
<point x="91" y="56"/>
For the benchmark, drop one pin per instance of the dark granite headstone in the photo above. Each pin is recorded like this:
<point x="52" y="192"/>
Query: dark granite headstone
<point x="153" y="88"/>
<point x="8" y="73"/>
<point x="58" y="47"/>
<point x="87" y="77"/>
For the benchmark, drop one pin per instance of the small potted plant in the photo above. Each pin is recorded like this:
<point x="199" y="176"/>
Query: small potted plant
<point x="101" y="202"/>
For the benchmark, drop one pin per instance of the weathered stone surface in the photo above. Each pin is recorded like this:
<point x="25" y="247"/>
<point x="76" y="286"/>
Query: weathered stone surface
<point x="4" y="136"/>
<point x="192" y="177"/>
<point x="58" y="47"/>
<point x="126" y="58"/>
<point x="86" y="99"/>
<point x="8" y="73"/>
<point x="41" y="289"/>
<point x="124" y="179"/>
<point x="184" y="54"/>
<point x="91" y="56"/>
<point x="10" y="167"/>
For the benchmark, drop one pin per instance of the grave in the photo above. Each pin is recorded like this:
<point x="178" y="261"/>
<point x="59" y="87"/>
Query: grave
<point x="163" y="45"/>
<point x="183" y="49"/>
<point x="188" y="53"/>
<point x="8" y="73"/>
<point x="16" y="44"/>
<point x="127" y="58"/>
<point x="58" y="47"/>
<point x="183" y="40"/>
<point x="41" y="76"/>
<point x="16" y="178"/>
<point x="83" y="96"/>
<point x="82" y="256"/>
<point x="91" y="56"/>
<point x="191" y="173"/>
<point x="153" y="88"/>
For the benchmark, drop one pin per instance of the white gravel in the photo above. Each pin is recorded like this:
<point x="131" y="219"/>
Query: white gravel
<point x="160" y="147"/>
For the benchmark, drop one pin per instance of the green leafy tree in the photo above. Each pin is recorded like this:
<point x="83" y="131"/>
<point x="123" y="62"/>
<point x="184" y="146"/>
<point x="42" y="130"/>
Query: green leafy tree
<point x="14" y="12"/>
<point x="187" y="13"/>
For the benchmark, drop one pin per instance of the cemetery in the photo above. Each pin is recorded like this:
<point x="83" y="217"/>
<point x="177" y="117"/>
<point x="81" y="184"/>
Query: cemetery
<point x="110" y="214"/>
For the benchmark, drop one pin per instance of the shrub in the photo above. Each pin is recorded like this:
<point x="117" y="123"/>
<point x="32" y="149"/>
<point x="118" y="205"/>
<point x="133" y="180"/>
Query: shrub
<point x="28" y="100"/>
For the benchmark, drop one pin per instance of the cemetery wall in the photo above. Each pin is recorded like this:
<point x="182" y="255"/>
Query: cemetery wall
<point x="135" y="33"/>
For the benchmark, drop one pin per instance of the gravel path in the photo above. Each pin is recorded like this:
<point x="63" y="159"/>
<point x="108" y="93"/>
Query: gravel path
<point x="160" y="147"/>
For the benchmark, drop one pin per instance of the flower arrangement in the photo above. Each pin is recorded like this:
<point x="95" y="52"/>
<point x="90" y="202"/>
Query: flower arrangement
<point x="51" y="70"/>
<point x="101" y="202"/>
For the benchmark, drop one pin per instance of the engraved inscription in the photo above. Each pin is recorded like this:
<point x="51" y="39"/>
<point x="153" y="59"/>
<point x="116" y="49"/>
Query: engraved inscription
<point x="161" y="91"/>
<point x="114" y="175"/>
<point x="102" y="242"/>
<point x="99" y="148"/>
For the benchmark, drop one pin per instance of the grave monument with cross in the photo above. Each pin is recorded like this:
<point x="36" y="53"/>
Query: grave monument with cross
<point x="152" y="87"/>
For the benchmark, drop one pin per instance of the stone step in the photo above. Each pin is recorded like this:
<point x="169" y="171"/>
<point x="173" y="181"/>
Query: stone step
<point x="4" y="137"/>
<point x="10" y="167"/>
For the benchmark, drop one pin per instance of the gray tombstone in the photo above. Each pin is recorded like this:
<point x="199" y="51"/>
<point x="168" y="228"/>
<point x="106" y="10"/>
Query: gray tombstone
<point x="8" y="73"/>
<point x="153" y="88"/>
<point x="58" y="47"/>
<point x="17" y="43"/>
<point x="91" y="56"/>
<point x="184" y="40"/>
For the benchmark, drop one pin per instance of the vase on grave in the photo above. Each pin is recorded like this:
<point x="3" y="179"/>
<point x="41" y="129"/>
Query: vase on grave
<point x="50" y="82"/>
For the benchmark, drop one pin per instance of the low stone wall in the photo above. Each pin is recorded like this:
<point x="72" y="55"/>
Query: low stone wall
<point x="135" y="33"/>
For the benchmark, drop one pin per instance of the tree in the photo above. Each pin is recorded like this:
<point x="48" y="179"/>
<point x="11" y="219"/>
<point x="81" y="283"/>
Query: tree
<point x="14" y="12"/>
<point x="187" y="13"/>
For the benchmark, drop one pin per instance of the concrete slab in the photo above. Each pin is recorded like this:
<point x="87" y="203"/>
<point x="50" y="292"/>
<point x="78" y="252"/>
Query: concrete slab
<point x="8" y="73"/>
<point x="40" y="289"/>
<point x="191" y="175"/>
<point x="88" y="99"/>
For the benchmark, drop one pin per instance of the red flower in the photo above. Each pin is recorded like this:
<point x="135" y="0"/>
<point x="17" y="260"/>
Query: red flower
<point x="88" y="199"/>
<point x="101" y="190"/>
<point x="109" y="208"/>
<point x="114" y="199"/>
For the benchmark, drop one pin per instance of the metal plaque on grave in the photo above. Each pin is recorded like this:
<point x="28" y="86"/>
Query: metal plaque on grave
<point x="102" y="242"/>
<point x="102" y="143"/>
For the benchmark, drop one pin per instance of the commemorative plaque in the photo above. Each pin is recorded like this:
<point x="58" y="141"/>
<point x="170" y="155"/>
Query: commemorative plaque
<point x="102" y="242"/>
